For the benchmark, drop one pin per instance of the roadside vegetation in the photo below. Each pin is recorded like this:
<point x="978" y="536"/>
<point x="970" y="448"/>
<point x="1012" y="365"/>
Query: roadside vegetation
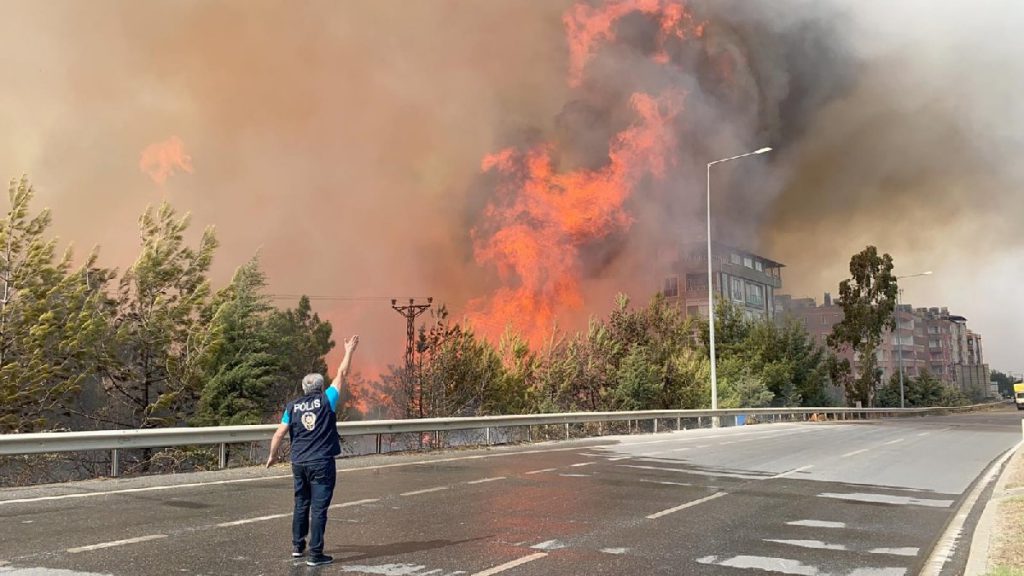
<point x="88" y="347"/>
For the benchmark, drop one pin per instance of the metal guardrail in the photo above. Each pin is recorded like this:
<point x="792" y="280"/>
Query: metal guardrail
<point x="117" y="440"/>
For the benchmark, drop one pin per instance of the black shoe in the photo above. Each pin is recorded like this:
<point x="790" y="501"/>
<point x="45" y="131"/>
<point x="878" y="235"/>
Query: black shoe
<point x="319" y="560"/>
<point x="298" y="551"/>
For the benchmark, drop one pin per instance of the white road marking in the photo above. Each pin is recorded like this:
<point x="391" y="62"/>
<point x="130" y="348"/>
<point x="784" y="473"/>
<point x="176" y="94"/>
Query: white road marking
<point x="666" y="482"/>
<point x="687" y="505"/>
<point x="614" y="550"/>
<point x="619" y="458"/>
<point x="397" y="570"/>
<point x="275" y="516"/>
<point x="355" y="503"/>
<point x="895" y="551"/>
<point x="947" y="542"/>
<point x="695" y="472"/>
<point x="541" y="471"/>
<point x="790" y="472"/>
<point x="855" y="452"/>
<point x="485" y="480"/>
<point x="764" y="563"/>
<point x="512" y="564"/>
<point x="548" y="545"/>
<point x="891" y="442"/>
<point x="116" y="543"/>
<point x="580" y="465"/>
<point x="813" y="544"/>
<point x="787" y="566"/>
<point x="817" y="524"/>
<point x="575" y="475"/>
<point x="424" y="491"/>
<point x="251" y="520"/>
<point x="888" y="499"/>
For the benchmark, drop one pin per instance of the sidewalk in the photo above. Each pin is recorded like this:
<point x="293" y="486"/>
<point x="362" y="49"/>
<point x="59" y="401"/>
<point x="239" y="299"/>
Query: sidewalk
<point x="998" y="545"/>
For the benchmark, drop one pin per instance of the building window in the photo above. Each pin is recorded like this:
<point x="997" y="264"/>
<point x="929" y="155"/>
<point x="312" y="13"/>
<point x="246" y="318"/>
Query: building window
<point x="692" y="311"/>
<point x="671" y="289"/>
<point x="824" y="320"/>
<point x="735" y="258"/>
<point x="758" y="266"/>
<point x="748" y="261"/>
<point x="755" y="294"/>
<point x="737" y="289"/>
<point x="696" y="282"/>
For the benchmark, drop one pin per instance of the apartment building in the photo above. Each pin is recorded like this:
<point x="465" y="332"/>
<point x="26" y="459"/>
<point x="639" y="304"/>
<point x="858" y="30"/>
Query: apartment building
<point x="744" y="278"/>
<point x="924" y="339"/>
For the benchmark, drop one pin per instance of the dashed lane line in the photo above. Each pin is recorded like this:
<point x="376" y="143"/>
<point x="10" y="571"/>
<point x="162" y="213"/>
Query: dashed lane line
<point x="541" y="471"/>
<point x="252" y="520"/>
<point x="691" y="504"/>
<point x="116" y="543"/>
<point x="288" y="515"/>
<point x="854" y="453"/>
<point x="486" y="480"/>
<point x="424" y="491"/>
<point x="817" y="524"/>
<point x="510" y="565"/>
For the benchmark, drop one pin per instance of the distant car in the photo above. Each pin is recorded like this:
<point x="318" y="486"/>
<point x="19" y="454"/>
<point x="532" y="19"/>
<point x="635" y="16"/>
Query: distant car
<point x="1018" y="395"/>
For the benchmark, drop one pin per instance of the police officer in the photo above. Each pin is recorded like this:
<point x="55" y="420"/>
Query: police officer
<point x="311" y="425"/>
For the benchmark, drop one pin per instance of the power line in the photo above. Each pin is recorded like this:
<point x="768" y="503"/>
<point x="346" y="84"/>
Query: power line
<point x="343" y="298"/>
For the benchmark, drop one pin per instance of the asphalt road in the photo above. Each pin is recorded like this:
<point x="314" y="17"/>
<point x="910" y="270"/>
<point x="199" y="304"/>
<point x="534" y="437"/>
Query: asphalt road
<point x="852" y="499"/>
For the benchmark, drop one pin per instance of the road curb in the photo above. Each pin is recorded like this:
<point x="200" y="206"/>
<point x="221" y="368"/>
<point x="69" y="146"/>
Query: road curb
<point x="978" y="558"/>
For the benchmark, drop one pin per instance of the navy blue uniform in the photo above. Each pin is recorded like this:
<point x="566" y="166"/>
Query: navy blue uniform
<point x="312" y="428"/>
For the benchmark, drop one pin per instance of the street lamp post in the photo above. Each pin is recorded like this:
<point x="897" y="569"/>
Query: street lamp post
<point x="711" y="286"/>
<point x="899" y="333"/>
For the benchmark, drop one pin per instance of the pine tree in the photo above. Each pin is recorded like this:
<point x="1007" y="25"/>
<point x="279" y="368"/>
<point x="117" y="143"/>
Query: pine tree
<point x="161" y="335"/>
<point x="52" y="321"/>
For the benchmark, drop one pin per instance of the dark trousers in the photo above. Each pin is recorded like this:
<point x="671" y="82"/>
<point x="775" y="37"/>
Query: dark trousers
<point x="314" y="488"/>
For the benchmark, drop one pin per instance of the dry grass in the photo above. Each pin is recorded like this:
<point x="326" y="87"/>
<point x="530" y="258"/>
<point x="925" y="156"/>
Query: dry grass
<point x="1007" y="550"/>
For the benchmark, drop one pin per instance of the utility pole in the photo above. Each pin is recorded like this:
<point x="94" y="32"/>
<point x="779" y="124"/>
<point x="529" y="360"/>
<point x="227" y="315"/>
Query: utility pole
<point x="411" y="311"/>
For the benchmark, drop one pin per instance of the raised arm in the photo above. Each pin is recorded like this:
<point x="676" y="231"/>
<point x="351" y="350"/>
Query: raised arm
<point x="346" y="362"/>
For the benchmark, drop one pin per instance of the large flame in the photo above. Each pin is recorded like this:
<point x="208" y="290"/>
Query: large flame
<point x="163" y="159"/>
<point x="588" y="26"/>
<point x="541" y="218"/>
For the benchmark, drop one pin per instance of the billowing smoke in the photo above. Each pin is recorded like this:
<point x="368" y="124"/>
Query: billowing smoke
<point x="346" y="142"/>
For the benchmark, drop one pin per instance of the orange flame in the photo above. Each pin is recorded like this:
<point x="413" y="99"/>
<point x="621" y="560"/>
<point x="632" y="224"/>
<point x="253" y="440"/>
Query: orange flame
<point x="588" y="26"/>
<point x="542" y="217"/>
<point x="163" y="159"/>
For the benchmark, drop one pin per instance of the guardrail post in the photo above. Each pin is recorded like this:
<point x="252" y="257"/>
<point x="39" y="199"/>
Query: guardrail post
<point x="378" y="443"/>
<point x="679" y="424"/>
<point x="529" y="434"/>
<point x="487" y="433"/>
<point x="115" y="463"/>
<point x="655" y="425"/>
<point x="222" y="456"/>
<point x="566" y="430"/>
<point x="700" y="422"/>
<point x="600" y="428"/>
